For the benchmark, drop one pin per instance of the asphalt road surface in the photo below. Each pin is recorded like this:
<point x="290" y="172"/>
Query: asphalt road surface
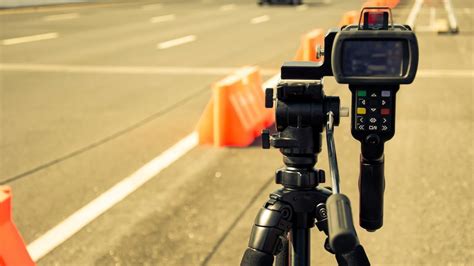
<point x="99" y="91"/>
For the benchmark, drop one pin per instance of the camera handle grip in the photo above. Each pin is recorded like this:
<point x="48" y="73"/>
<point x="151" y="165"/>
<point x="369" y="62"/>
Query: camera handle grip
<point x="371" y="188"/>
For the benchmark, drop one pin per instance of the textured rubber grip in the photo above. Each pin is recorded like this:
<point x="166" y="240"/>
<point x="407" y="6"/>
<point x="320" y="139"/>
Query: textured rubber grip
<point x="371" y="190"/>
<point x="254" y="257"/>
<point x="357" y="257"/>
<point x="342" y="235"/>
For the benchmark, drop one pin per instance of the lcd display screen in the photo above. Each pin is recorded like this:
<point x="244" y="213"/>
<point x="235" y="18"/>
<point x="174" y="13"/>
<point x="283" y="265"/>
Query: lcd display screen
<point x="365" y="58"/>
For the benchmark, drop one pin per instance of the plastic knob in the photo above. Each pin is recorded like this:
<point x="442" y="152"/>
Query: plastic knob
<point x="269" y="98"/>
<point x="265" y="139"/>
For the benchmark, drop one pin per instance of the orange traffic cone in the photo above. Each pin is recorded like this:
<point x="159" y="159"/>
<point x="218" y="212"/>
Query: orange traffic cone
<point x="205" y="126"/>
<point x="12" y="248"/>
<point x="349" y="18"/>
<point x="372" y="3"/>
<point x="392" y="3"/>
<point x="235" y="115"/>
<point x="308" y="47"/>
<point x="381" y="3"/>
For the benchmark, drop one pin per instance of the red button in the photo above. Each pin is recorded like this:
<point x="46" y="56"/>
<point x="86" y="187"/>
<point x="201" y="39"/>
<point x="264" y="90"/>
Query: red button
<point x="385" y="111"/>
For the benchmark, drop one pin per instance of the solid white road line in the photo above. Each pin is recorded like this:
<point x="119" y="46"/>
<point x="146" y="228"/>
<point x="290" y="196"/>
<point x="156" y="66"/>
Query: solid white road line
<point x="53" y="8"/>
<point x="414" y="13"/>
<point x="78" y="220"/>
<point x="302" y="7"/>
<point x="152" y="7"/>
<point x="227" y="7"/>
<point x="64" y="230"/>
<point x="453" y="23"/>
<point x="445" y="73"/>
<point x="176" y="42"/>
<point x="32" y="38"/>
<point x="260" y="19"/>
<point x="125" y="69"/>
<point x="61" y="17"/>
<point x="143" y="70"/>
<point x="164" y="18"/>
<point x="433" y="18"/>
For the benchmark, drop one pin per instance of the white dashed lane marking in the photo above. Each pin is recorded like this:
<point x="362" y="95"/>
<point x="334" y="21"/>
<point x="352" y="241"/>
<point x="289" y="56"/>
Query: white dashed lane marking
<point x="61" y="17"/>
<point x="32" y="38"/>
<point x="227" y="7"/>
<point x="260" y="19"/>
<point x="176" y="42"/>
<point x="164" y="18"/>
<point x="152" y="7"/>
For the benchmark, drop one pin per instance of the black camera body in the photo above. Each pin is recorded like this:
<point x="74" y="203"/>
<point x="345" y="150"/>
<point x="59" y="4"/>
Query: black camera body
<point x="374" y="58"/>
<point x="375" y="52"/>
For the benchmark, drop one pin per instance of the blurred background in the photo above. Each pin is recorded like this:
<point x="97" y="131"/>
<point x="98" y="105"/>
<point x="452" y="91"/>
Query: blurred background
<point x="92" y="91"/>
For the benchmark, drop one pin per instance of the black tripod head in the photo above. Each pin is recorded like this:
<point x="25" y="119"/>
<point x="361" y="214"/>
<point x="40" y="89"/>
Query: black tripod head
<point x="301" y="114"/>
<point x="303" y="111"/>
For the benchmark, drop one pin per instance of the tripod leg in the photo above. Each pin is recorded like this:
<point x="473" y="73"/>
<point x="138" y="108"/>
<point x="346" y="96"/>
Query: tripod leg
<point x="356" y="257"/>
<point x="283" y="258"/>
<point x="271" y="225"/>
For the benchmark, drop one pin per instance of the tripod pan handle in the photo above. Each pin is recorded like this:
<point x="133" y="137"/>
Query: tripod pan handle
<point x="342" y="234"/>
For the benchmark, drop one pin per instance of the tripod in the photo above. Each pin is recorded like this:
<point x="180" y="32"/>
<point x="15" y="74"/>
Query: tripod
<point x="282" y="226"/>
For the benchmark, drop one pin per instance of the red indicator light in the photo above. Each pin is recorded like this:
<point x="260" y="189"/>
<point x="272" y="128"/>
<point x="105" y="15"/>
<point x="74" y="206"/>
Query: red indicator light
<point x="375" y="18"/>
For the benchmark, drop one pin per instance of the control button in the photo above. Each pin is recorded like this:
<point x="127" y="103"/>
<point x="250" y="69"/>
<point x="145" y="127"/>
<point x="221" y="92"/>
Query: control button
<point x="385" y="111"/>
<point x="362" y="93"/>
<point x="384" y="128"/>
<point x="373" y="110"/>
<point x="373" y="94"/>
<point x="361" y="127"/>
<point x="384" y="120"/>
<point x="361" y="102"/>
<point x="384" y="102"/>
<point x="361" y="111"/>
<point x="360" y="119"/>
<point x="385" y="93"/>
<point x="372" y="139"/>
<point x="372" y="127"/>
<point x="373" y="102"/>
<point x="373" y="120"/>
